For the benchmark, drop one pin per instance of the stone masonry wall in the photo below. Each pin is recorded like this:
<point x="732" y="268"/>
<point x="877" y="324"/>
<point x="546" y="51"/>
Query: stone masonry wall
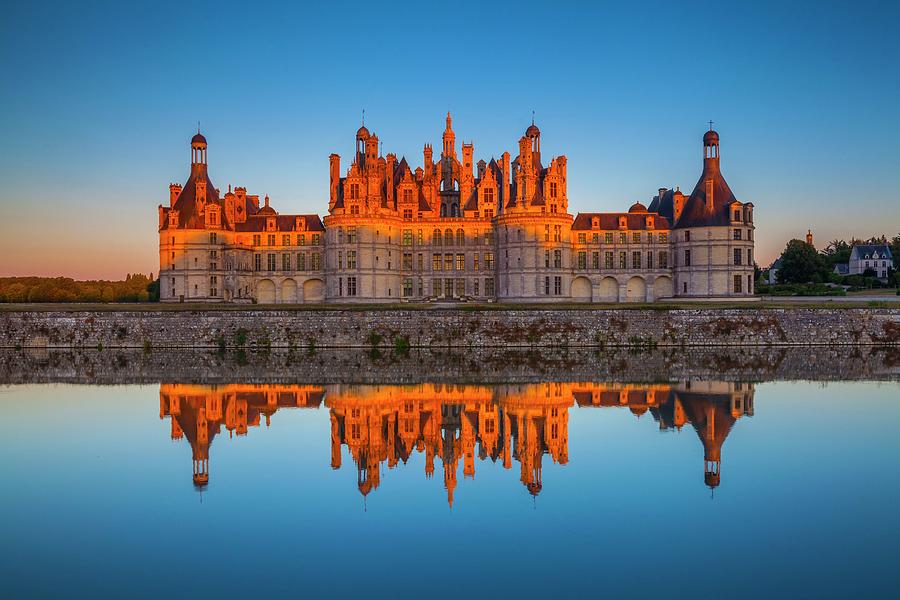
<point x="448" y="328"/>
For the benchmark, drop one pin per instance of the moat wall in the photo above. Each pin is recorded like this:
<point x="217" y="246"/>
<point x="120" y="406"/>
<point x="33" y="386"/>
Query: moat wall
<point x="449" y="328"/>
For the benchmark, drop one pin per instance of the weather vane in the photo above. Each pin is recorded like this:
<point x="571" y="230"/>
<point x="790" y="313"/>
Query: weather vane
<point x="710" y="125"/>
<point x="364" y="118"/>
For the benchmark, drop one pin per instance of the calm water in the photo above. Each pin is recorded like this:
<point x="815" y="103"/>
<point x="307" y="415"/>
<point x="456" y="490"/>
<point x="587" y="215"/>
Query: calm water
<point x="696" y="489"/>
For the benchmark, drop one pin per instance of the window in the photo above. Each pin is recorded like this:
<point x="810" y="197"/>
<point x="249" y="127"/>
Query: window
<point x="340" y="235"/>
<point x="488" y="214"/>
<point x="623" y="237"/>
<point x="687" y="236"/>
<point x="407" y="216"/>
<point x="557" y="286"/>
<point x="460" y="237"/>
<point x="649" y="260"/>
<point x="607" y="260"/>
<point x="351" y="234"/>
<point x="635" y="260"/>
<point x="546" y="286"/>
<point x="737" y="284"/>
<point x="407" y="287"/>
<point x="435" y="287"/>
<point x="489" y="287"/>
<point x="663" y="238"/>
<point x="475" y="262"/>
<point x="557" y="259"/>
<point x="435" y="262"/>
<point x="270" y="261"/>
<point x="448" y="262"/>
<point x="475" y="291"/>
<point x="354" y="191"/>
<point x="595" y="260"/>
<point x="286" y="240"/>
<point x="285" y="262"/>
<point x="737" y="256"/>
<point x="737" y="215"/>
<point x="622" y="257"/>
<point x="257" y="262"/>
<point x="687" y="258"/>
<point x="270" y="239"/>
<point x="460" y="262"/>
<point x="340" y="260"/>
<point x="546" y="233"/>
<point x="436" y="237"/>
<point x="582" y="238"/>
<point x="750" y="261"/>
<point x="213" y="240"/>
<point x="315" y="261"/>
<point x="489" y="237"/>
<point x="448" y="287"/>
<point x="301" y="261"/>
<point x="557" y="233"/>
<point x="316" y="239"/>
<point x="421" y="287"/>
<point x="351" y="259"/>
<point x="488" y="265"/>
<point x="737" y="234"/>
<point x="553" y="189"/>
<point x="448" y="237"/>
<point x="546" y="259"/>
<point x="636" y="237"/>
<point x="608" y="237"/>
<point x="351" y="286"/>
<point x="407" y="237"/>
<point x="257" y="239"/>
<point x="407" y="262"/>
<point x="421" y="263"/>
<point x="460" y="286"/>
<point x="663" y="260"/>
<point x="301" y="240"/>
<point x="582" y="259"/>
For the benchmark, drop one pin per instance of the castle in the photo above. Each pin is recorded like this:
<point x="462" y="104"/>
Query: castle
<point x="453" y="229"/>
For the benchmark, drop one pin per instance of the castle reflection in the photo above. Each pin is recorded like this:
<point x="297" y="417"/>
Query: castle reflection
<point x="381" y="424"/>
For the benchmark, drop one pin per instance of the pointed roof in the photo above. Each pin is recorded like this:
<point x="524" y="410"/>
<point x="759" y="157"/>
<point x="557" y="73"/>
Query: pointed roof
<point x="188" y="212"/>
<point x="697" y="211"/>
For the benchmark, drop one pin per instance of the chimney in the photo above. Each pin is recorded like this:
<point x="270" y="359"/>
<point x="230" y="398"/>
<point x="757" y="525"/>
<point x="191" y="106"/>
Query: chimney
<point x="334" y="168"/>
<point x="174" y="192"/>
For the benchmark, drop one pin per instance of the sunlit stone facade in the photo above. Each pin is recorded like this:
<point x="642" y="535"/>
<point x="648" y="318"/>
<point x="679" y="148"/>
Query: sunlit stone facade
<point x="453" y="230"/>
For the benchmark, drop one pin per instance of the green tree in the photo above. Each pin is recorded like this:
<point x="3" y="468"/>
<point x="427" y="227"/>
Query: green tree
<point x="800" y="263"/>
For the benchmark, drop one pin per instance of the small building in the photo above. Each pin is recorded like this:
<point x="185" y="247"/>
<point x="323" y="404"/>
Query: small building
<point x="866" y="257"/>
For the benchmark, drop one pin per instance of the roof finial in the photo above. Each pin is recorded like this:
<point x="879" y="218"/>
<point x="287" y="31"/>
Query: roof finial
<point x="710" y="125"/>
<point x="364" y="118"/>
<point x="198" y="126"/>
<point x="532" y="116"/>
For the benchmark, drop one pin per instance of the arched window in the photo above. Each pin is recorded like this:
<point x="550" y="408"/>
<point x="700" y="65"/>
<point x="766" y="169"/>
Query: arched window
<point x="436" y="238"/>
<point x="460" y="237"/>
<point x="448" y="237"/>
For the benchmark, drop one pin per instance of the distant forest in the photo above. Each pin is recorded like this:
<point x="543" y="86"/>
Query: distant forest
<point x="135" y="288"/>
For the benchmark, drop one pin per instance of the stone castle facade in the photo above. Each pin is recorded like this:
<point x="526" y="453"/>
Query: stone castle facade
<point x="452" y="230"/>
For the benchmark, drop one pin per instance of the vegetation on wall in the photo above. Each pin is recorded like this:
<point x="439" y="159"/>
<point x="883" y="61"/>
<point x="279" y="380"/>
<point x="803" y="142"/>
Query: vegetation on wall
<point x="135" y="288"/>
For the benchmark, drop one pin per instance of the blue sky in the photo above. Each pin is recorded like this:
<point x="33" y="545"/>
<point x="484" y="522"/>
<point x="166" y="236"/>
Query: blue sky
<point x="100" y="100"/>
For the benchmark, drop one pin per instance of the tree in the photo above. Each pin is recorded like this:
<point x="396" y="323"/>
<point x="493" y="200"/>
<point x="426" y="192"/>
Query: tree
<point x="800" y="263"/>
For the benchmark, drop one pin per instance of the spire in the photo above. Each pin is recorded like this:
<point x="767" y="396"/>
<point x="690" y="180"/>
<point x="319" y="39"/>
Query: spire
<point x="449" y="122"/>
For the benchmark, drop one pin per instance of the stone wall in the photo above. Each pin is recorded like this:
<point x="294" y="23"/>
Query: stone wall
<point x="449" y="328"/>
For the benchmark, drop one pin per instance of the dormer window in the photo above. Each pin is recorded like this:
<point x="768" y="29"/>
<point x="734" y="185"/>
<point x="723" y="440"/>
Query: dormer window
<point x="623" y="223"/>
<point x="649" y="222"/>
<point x="354" y="191"/>
<point x="270" y="224"/>
<point x="300" y="224"/>
<point x="595" y="223"/>
<point x="488" y="195"/>
<point x="553" y="190"/>
<point x="407" y="195"/>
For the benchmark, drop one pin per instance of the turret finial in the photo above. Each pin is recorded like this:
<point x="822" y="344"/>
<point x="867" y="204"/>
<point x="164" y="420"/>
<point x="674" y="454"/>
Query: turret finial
<point x="710" y="125"/>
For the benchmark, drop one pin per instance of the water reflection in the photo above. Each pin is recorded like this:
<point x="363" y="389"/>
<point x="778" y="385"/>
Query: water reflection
<point x="385" y="424"/>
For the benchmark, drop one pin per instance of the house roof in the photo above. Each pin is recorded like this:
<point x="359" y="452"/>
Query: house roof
<point x="697" y="211"/>
<point x="868" y="251"/>
<point x="610" y="221"/>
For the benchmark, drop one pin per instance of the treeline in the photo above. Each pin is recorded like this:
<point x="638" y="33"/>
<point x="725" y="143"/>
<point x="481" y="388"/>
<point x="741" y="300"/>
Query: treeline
<point x="136" y="288"/>
<point x="801" y="263"/>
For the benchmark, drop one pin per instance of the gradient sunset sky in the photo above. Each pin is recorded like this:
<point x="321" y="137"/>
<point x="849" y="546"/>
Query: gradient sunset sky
<point x="100" y="100"/>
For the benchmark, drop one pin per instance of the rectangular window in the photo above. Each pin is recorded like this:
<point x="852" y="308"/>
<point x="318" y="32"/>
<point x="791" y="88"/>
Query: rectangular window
<point x="557" y="259"/>
<point x="557" y="233"/>
<point x="301" y="240"/>
<point x="622" y="258"/>
<point x="489" y="287"/>
<point x="435" y="262"/>
<point x="285" y="262"/>
<point x="582" y="238"/>
<point x="286" y="240"/>
<point x="435" y="287"/>
<point x="595" y="260"/>
<point x="419" y="238"/>
<point x="407" y="237"/>
<point x="663" y="238"/>
<point x="546" y="233"/>
<point x="301" y="261"/>
<point x="750" y="260"/>
<point x="340" y="259"/>
<point x="257" y="240"/>
<point x="448" y="288"/>
<point x="340" y="286"/>
<point x="635" y="260"/>
<point x="407" y="287"/>
<point x="460" y="287"/>
<point x="316" y="238"/>
<point x="270" y="239"/>
<point x="257" y="262"/>
<point x="351" y="235"/>
<point x="213" y="238"/>
<point x="663" y="260"/>
<point x="737" y="256"/>
<point x="687" y="236"/>
<point x="407" y="216"/>
<point x="489" y="237"/>
<point x="557" y="286"/>
<point x="546" y="286"/>
<point x="649" y="260"/>
<point x="636" y="237"/>
<point x="488" y="263"/>
<point x="448" y="262"/>
<point x="582" y="259"/>
<point x="460" y="262"/>
<point x="623" y="238"/>
<point x="407" y="262"/>
<point x="607" y="260"/>
<point x="270" y="261"/>
<point x="351" y="286"/>
<point x="546" y="259"/>
<point x="553" y="189"/>
<point x="475" y="291"/>
<point x="316" y="260"/>
<point x="475" y="262"/>
<point x="608" y="237"/>
<point x="687" y="257"/>
<point x="737" y="234"/>
<point x="421" y="263"/>
<point x="737" y="284"/>
<point x="351" y="259"/>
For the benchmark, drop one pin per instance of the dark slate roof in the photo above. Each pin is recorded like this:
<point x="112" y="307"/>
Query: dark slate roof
<point x="610" y="221"/>
<point x="696" y="213"/>
<point x="841" y="268"/>
<point x="665" y="206"/>
<point x="865" y="251"/>
<point x="284" y="223"/>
